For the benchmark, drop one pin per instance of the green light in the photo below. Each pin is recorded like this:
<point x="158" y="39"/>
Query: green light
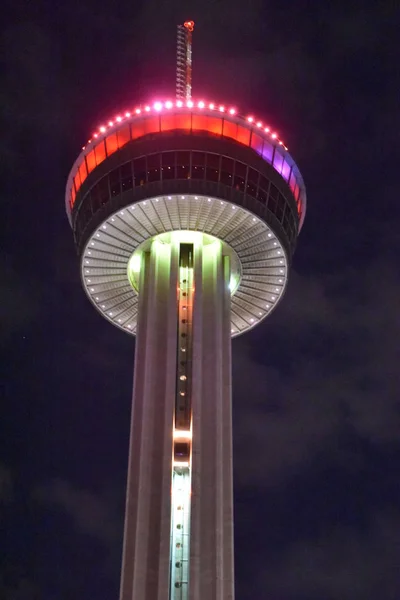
<point x="134" y="265"/>
<point x="233" y="283"/>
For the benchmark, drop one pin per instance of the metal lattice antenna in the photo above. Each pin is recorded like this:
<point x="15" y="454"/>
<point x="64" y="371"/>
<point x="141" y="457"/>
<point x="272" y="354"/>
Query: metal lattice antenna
<point x="184" y="61"/>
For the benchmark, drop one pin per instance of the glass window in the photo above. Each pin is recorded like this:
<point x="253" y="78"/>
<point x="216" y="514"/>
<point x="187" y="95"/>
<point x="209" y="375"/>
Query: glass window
<point x="100" y="152"/>
<point x="273" y="192"/>
<point x="115" y="183"/>
<point x="264" y="183"/>
<point x="182" y="165"/>
<point x="126" y="177"/>
<point x="198" y="159"/>
<point x="227" y="164"/>
<point x="226" y="170"/>
<point x="168" y="165"/>
<point x="253" y="175"/>
<point x="87" y="212"/>
<point x="280" y="207"/>
<point x="240" y="169"/>
<point x="95" y="199"/>
<point x="124" y="135"/>
<point x="212" y="168"/>
<point x="198" y="165"/>
<point x="111" y="144"/>
<point x="103" y="190"/>
<point x="262" y="196"/>
<point x="153" y="167"/>
<point x="252" y="182"/>
<point x="239" y="179"/>
<point x="139" y="171"/>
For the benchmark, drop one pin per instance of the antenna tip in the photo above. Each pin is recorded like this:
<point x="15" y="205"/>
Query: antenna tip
<point x="189" y="25"/>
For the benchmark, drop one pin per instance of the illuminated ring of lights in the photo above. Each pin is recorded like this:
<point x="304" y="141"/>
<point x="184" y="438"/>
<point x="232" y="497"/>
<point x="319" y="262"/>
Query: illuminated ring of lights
<point x="168" y="105"/>
<point x="105" y="258"/>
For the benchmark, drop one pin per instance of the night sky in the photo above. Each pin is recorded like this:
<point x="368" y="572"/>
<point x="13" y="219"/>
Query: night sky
<point x="316" y="386"/>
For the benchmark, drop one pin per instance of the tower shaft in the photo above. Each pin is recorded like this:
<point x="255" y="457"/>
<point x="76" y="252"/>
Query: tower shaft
<point x="178" y="539"/>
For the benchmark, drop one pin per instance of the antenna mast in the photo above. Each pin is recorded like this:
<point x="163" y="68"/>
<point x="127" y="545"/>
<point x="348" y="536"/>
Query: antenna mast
<point x="184" y="61"/>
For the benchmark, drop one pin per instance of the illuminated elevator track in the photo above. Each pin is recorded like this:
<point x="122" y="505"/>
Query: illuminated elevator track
<point x="181" y="475"/>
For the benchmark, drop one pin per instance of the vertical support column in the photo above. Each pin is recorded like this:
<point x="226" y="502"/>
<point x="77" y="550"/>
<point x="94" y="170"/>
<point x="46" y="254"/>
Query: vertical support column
<point x="211" y="558"/>
<point x="146" y="556"/>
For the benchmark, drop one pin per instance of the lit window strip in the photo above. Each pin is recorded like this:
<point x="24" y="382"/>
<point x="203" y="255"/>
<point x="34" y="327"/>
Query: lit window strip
<point x="181" y="472"/>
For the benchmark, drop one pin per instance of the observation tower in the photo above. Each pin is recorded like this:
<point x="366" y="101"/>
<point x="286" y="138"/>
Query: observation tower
<point x="185" y="215"/>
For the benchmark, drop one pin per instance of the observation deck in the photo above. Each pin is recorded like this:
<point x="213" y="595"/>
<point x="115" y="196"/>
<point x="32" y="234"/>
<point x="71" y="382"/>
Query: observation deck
<point x="190" y="167"/>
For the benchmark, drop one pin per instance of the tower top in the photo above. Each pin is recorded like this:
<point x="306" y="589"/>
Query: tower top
<point x="184" y="61"/>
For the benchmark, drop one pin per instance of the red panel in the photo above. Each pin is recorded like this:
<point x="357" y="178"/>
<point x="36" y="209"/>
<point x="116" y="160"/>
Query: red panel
<point x="73" y="196"/>
<point x="137" y="129"/>
<point x="296" y="191"/>
<point x="257" y="143"/>
<point x="77" y="181"/>
<point x="100" y="152"/>
<point x="124" y="136"/>
<point x="167" y="122"/>
<point x="91" y="161"/>
<point x="111" y="143"/>
<point x="230" y="129"/>
<point x="152" y="125"/>
<point x="183" y="121"/>
<point x="215" y="125"/>
<point x="243" y="135"/>
<point x="83" y="171"/>
<point x="200" y="122"/>
<point x="292" y="181"/>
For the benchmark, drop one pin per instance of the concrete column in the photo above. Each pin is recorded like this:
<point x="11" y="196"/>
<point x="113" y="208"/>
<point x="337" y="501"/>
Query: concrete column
<point x="211" y="558"/>
<point x="145" y="564"/>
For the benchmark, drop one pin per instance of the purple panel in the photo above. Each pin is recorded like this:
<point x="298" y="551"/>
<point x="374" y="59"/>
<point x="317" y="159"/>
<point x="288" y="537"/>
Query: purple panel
<point x="285" y="170"/>
<point x="267" y="151"/>
<point x="278" y="160"/>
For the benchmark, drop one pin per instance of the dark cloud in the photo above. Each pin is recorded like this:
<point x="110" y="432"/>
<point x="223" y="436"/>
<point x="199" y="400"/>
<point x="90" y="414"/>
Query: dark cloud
<point x="328" y="363"/>
<point x="90" y="513"/>
<point x="342" y="564"/>
<point x="6" y="484"/>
